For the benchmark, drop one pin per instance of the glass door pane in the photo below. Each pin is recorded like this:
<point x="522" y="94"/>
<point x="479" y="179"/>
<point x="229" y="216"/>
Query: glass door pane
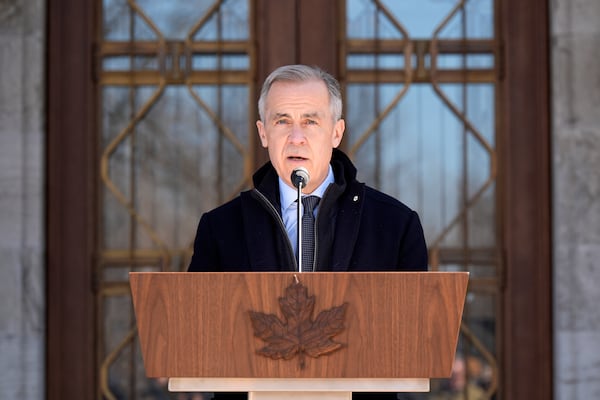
<point x="421" y="112"/>
<point x="175" y="103"/>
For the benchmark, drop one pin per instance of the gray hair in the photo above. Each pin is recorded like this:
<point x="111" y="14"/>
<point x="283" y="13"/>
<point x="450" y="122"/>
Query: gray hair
<point x="303" y="73"/>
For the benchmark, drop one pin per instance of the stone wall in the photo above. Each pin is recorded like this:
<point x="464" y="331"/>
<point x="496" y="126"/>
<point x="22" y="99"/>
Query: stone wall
<point x="22" y="46"/>
<point x="575" y="39"/>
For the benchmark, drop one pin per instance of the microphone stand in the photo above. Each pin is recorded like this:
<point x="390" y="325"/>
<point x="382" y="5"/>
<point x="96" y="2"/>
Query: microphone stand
<point x="299" y="227"/>
<point x="299" y="178"/>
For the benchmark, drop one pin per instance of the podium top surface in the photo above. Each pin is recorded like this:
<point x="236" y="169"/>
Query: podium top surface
<point x="298" y="325"/>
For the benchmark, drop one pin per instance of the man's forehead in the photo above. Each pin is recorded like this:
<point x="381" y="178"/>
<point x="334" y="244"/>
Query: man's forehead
<point x="297" y="99"/>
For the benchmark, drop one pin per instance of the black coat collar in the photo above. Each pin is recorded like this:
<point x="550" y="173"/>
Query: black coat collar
<point x="339" y="213"/>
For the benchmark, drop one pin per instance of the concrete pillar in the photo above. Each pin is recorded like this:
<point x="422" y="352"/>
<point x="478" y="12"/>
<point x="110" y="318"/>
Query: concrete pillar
<point x="22" y="42"/>
<point x="575" y="38"/>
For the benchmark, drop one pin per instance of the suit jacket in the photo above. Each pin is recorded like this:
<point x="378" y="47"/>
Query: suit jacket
<point x="357" y="229"/>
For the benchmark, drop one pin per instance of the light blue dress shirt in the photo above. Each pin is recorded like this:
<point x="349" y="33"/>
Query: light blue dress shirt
<point x="288" y="197"/>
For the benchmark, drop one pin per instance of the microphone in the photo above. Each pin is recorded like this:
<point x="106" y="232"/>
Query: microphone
<point x="299" y="177"/>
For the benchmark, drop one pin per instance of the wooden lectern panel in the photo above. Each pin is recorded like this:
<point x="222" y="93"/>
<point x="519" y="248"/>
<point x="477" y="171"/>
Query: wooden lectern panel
<point x="396" y="324"/>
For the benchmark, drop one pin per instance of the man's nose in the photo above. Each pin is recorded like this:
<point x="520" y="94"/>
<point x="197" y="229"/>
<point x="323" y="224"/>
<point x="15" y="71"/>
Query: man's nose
<point x="297" y="135"/>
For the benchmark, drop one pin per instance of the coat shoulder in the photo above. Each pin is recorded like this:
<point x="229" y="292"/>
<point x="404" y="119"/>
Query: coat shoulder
<point x="232" y="207"/>
<point x="380" y="200"/>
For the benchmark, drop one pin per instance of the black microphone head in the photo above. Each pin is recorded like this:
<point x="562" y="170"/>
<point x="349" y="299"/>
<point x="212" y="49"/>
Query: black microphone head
<point x="300" y="176"/>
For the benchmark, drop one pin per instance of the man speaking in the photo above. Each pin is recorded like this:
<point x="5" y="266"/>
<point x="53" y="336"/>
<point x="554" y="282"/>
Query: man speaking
<point x="347" y="225"/>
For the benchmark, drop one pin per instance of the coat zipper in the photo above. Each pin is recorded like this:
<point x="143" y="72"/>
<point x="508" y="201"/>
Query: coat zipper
<point x="279" y="220"/>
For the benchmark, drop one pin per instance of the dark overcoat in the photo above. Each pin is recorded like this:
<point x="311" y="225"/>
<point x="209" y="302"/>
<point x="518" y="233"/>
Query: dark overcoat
<point x="357" y="229"/>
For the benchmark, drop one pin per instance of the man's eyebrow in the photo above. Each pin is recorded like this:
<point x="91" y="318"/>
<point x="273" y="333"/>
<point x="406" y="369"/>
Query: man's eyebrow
<point x="313" y="114"/>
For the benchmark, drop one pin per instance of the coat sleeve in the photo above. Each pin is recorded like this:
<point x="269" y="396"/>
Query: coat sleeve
<point x="205" y="257"/>
<point x="413" y="250"/>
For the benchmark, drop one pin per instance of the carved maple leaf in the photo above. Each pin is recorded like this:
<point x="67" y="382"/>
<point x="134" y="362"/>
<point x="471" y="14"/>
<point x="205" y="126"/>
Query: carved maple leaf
<point x="298" y="334"/>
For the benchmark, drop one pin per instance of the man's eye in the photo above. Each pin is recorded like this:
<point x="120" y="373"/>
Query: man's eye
<point x="311" y="122"/>
<point x="281" y="122"/>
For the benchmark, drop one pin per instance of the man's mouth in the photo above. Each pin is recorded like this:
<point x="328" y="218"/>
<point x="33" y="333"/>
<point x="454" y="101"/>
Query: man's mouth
<point x="296" y="158"/>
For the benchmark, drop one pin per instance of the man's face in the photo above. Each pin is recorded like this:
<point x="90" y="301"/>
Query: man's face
<point x="299" y="130"/>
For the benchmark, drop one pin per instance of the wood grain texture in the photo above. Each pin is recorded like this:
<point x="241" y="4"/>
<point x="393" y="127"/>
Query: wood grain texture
<point x="71" y="184"/>
<point x="398" y="325"/>
<point x="525" y="184"/>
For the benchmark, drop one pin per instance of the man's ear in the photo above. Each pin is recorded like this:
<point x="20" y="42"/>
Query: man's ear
<point x="262" y="134"/>
<point x="338" y="132"/>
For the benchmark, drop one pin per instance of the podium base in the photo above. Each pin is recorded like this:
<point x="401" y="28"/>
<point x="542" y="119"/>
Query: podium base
<point x="299" y="395"/>
<point x="296" y="388"/>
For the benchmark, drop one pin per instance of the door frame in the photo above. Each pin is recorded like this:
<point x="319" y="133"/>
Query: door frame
<point x="524" y="180"/>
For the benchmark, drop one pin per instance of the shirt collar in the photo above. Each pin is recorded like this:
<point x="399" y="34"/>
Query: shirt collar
<point x="288" y="195"/>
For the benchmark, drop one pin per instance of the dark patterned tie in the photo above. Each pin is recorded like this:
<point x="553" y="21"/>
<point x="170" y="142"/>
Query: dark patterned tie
<point x="308" y="232"/>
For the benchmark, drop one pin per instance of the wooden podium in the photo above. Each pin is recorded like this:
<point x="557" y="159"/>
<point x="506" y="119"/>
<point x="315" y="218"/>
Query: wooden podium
<point x="299" y="335"/>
